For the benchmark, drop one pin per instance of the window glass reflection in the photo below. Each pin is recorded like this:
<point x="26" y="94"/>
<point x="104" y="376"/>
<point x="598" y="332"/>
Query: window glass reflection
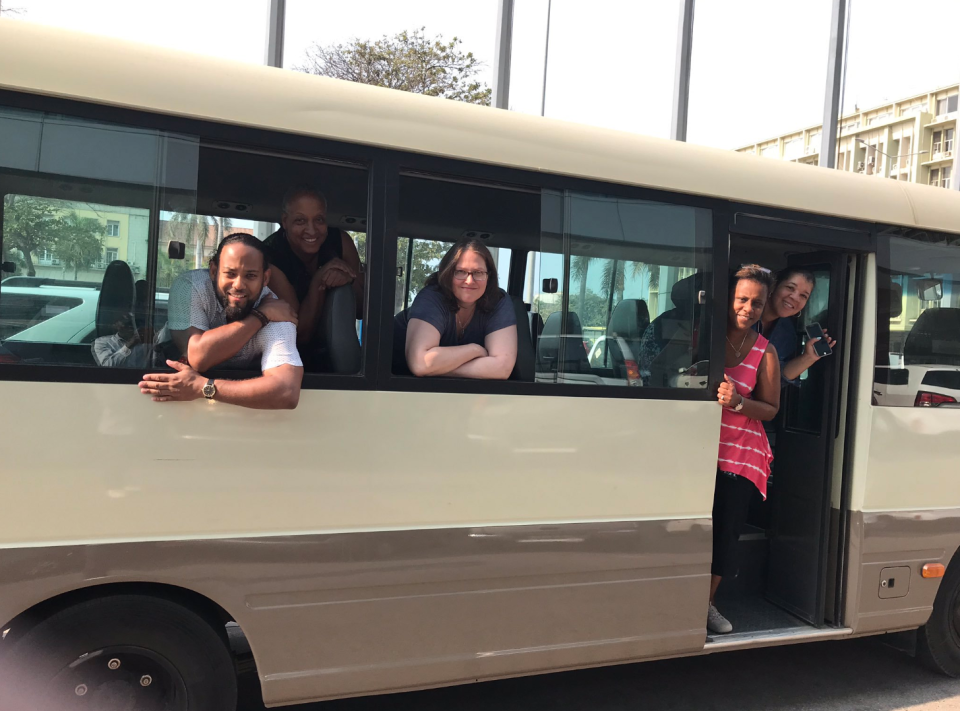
<point x="918" y="321"/>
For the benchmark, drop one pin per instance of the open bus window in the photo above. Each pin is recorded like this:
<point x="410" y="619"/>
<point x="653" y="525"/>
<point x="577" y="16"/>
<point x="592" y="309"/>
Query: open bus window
<point x="612" y="289"/>
<point x="244" y="191"/>
<point x="918" y="321"/>
<point x="89" y="209"/>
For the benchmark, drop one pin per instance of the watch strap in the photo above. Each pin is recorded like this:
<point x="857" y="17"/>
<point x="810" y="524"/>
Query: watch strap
<point x="210" y="389"/>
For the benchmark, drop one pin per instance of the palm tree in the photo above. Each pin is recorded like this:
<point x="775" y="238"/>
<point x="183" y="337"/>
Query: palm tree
<point x="194" y="229"/>
<point x="613" y="278"/>
<point x="649" y="278"/>
<point x="579" y="268"/>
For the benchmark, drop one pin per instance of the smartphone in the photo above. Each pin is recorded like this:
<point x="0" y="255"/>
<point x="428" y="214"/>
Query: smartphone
<point x="821" y="347"/>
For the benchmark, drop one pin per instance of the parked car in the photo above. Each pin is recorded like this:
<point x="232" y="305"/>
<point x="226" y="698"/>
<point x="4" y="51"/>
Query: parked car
<point x="927" y="372"/>
<point x="612" y="353"/>
<point x="49" y="312"/>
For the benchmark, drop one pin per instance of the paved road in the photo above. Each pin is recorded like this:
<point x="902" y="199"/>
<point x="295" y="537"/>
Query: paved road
<point x="851" y="675"/>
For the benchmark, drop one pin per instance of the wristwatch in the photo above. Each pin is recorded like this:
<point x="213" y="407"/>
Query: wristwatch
<point x="209" y="390"/>
<point x="736" y="409"/>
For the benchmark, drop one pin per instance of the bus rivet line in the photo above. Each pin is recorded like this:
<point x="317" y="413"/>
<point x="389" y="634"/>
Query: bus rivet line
<point x="81" y="690"/>
<point x="146" y="680"/>
<point x="114" y="663"/>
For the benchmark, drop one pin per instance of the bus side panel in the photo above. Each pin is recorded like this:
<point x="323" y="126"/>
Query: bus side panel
<point x="910" y="514"/>
<point x="371" y="541"/>
<point x="345" y="614"/>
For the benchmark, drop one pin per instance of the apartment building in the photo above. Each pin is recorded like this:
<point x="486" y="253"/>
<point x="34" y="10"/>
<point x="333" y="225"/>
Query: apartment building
<point x="910" y="139"/>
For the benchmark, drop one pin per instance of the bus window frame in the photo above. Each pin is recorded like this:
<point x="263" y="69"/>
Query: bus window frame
<point x="384" y="167"/>
<point x="440" y="168"/>
<point x="214" y="134"/>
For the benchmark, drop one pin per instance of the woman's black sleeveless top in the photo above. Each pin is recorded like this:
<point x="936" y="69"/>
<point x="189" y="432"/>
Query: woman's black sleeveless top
<point x="282" y="257"/>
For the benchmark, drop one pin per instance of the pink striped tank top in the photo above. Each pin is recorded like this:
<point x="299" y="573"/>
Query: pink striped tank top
<point x="744" y="449"/>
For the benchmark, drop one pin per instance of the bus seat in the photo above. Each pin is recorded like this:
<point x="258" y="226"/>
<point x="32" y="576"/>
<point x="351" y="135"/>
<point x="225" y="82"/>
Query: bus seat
<point x="525" y="367"/>
<point x="552" y="348"/>
<point x="934" y="338"/>
<point x="536" y="328"/>
<point x="116" y="297"/>
<point x="338" y="325"/>
<point x="629" y="320"/>
<point x="140" y="302"/>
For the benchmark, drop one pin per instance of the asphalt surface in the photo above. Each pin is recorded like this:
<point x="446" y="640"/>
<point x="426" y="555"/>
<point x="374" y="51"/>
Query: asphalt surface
<point x="851" y="675"/>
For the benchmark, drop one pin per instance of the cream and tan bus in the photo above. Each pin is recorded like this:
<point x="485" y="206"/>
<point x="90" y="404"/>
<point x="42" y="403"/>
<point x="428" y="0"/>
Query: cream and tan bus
<point x="396" y="533"/>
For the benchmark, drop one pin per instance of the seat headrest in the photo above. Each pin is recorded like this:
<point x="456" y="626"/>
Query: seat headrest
<point x="524" y="367"/>
<point x="684" y="293"/>
<point x="338" y="322"/>
<point x="889" y="297"/>
<point x="552" y="325"/>
<point x="117" y="296"/>
<point x="629" y="319"/>
<point x="935" y="337"/>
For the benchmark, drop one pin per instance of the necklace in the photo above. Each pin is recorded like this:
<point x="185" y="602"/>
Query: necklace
<point x="735" y="349"/>
<point x="460" y="327"/>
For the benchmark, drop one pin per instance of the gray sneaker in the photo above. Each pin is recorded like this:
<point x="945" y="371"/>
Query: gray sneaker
<point x="717" y="623"/>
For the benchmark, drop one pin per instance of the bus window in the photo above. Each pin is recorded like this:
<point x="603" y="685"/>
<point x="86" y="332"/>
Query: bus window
<point x="435" y="214"/>
<point x="630" y="299"/>
<point x="245" y="191"/>
<point x="79" y="199"/>
<point x="918" y="321"/>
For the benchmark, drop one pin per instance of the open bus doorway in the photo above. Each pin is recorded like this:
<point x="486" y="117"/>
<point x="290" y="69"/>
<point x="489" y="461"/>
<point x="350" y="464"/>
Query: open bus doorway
<point x="784" y="550"/>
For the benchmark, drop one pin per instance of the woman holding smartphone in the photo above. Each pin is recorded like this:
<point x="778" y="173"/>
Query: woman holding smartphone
<point x="793" y="290"/>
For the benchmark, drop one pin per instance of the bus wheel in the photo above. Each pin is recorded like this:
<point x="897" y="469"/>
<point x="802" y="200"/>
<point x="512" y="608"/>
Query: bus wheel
<point x="938" y="641"/>
<point x="122" y="652"/>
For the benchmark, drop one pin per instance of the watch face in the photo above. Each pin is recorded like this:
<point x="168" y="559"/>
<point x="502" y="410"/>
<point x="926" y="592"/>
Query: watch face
<point x="209" y="390"/>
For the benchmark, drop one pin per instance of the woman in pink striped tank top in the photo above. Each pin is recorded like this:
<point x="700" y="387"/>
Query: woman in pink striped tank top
<point x="749" y="395"/>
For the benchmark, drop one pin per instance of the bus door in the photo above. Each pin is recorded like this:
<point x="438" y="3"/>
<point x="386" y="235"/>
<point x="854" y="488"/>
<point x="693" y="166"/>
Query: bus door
<point x="799" y="489"/>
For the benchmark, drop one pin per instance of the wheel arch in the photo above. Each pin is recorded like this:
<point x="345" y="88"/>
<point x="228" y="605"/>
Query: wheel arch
<point x="207" y="609"/>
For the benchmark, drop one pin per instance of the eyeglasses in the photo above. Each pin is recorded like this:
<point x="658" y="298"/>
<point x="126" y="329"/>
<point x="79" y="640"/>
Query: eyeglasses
<point x="462" y="274"/>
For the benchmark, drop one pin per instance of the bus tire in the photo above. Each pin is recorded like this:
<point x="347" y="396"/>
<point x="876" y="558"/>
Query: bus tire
<point x="123" y="651"/>
<point x="938" y="641"/>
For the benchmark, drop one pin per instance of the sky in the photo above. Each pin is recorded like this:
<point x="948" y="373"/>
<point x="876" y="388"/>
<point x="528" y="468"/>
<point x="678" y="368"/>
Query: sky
<point x="758" y="65"/>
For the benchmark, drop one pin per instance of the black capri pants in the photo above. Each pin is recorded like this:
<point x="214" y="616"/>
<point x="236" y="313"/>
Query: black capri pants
<point x="731" y="503"/>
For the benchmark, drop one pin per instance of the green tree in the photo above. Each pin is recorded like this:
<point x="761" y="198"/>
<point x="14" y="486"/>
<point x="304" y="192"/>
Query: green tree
<point x="194" y="231"/>
<point x="579" y="268"/>
<point x="546" y="304"/>
<point x="592" y="310"/>
<point x="426" y="257"/>
<point x="614" y="277"/>
<point x="78" y="241"/>
<point x="29" y="226"/>
<point x="408" y="61"/>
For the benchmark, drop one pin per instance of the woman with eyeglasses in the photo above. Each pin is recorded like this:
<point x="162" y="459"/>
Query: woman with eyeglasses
<point x="461" y="324"/>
